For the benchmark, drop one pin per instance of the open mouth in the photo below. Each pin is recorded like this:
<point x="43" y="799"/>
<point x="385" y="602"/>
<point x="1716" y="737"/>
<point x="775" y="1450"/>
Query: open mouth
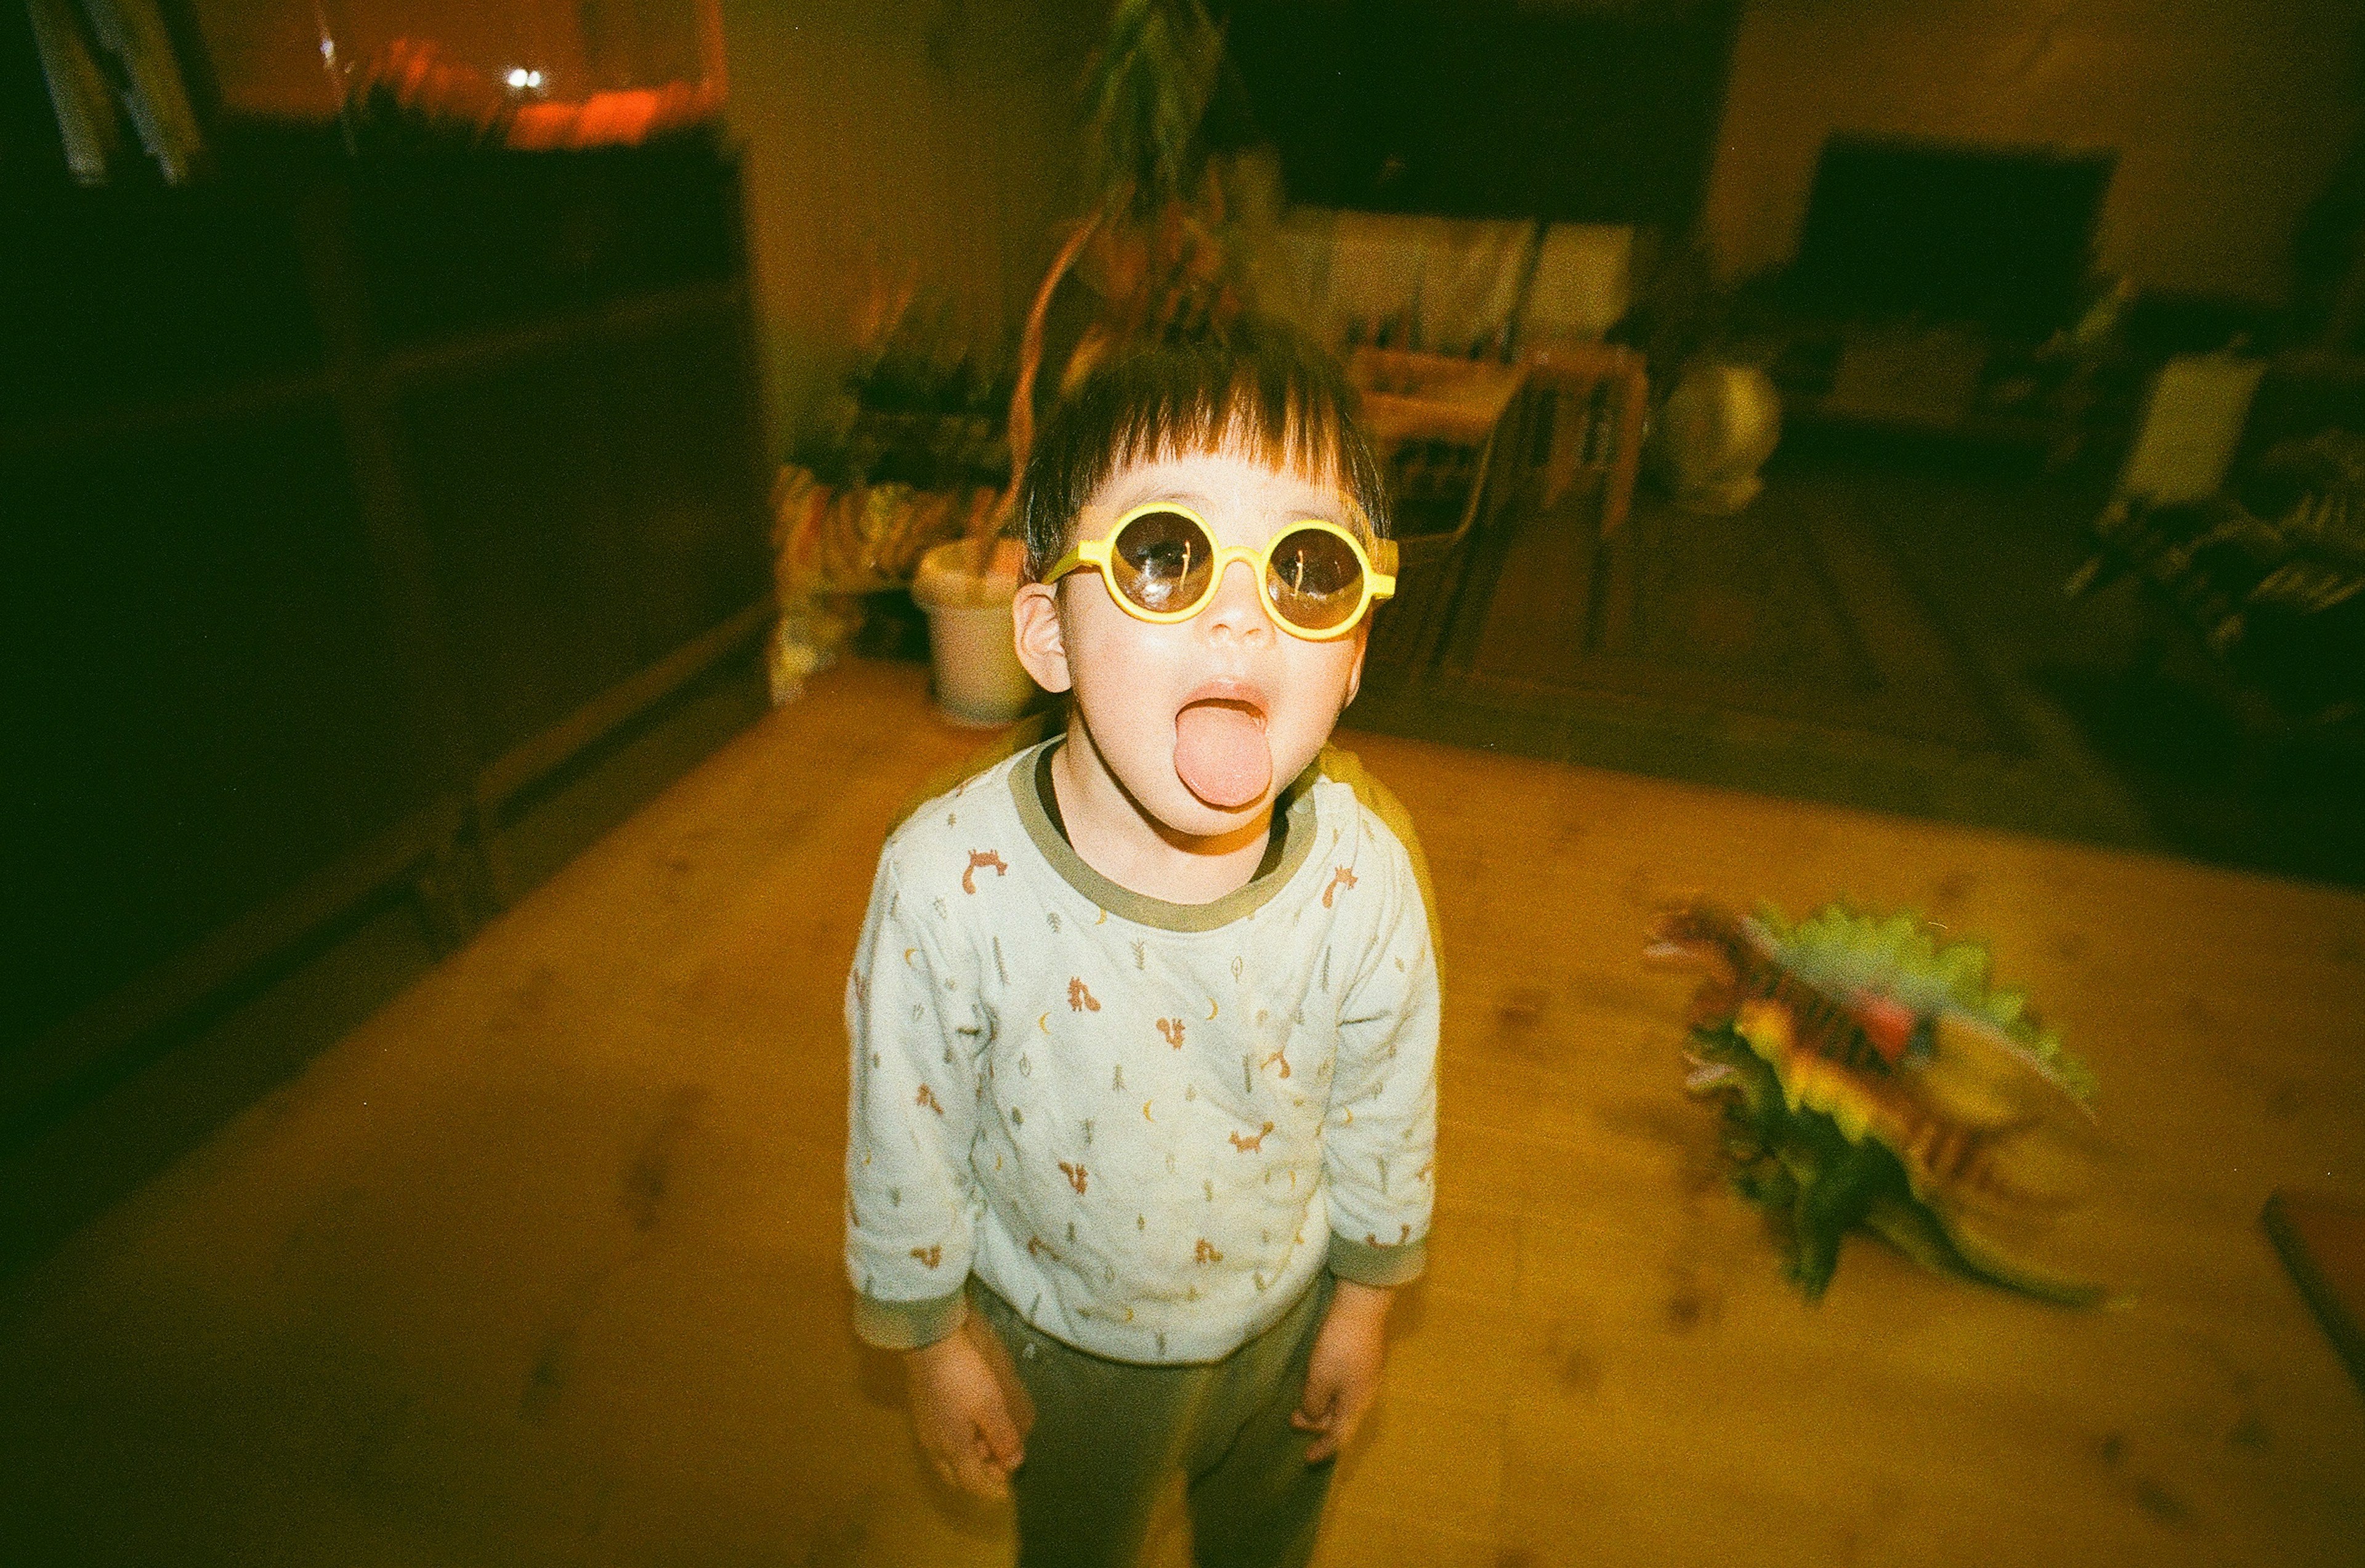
<point x="1219" y="747"/>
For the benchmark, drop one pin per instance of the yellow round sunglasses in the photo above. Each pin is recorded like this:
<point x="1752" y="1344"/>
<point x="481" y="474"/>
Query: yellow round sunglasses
<point x="1161" y="564"/>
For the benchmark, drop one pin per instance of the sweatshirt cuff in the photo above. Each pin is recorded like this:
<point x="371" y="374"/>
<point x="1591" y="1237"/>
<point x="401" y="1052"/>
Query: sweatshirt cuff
<point x="906" y="1324"/>
<point x="1380" y="1267"/>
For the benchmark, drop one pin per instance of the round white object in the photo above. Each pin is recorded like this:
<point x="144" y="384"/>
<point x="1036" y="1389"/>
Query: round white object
<point x="1716" y="430"/>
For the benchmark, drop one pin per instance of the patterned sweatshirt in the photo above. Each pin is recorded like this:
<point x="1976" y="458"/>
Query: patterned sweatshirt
<point x="1147" y="1125"/>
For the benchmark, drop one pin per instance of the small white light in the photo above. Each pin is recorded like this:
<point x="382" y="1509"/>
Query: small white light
<point x="519" y="76"/>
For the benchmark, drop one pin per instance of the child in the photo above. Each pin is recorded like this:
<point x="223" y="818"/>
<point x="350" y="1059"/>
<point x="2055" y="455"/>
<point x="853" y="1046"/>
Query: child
<point x="1144" y="1016"/>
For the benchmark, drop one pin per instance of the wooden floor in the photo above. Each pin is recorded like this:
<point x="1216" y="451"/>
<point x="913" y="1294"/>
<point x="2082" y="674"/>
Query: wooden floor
<point x="540" y="1265"/>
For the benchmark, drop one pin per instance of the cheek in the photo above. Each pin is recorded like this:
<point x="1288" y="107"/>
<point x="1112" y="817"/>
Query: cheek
<point x="1317" y="695"/>
<point x="1122" y="676"/>
<point x="1327" y="673"/>
<point x="1107" y="649"/>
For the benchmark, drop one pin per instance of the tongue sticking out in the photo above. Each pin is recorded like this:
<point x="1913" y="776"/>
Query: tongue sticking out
<point x="1219" y="752"/>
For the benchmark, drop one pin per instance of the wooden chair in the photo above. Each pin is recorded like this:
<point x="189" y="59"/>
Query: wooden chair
<point x="1589" y="404"/>
<point x="1442" y="427"/>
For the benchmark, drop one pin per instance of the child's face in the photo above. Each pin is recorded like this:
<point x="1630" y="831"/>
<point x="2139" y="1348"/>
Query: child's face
<point x="1137" y="681"/>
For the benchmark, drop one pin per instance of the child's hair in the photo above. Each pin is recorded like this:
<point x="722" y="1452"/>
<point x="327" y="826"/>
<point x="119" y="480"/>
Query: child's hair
<point x="1265" y="391"/>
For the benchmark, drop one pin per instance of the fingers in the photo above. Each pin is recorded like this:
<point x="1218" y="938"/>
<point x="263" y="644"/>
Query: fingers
<point x="1317" y="1412"/>
<point x="976" y="1477"/>
<point x="975" y="1470"/>
<point x="1337" y="1426"/>
<point x="1320" y="1399"/>
<point x="1334" y="1427"/>
<point x="999" y="1443"/>
<point x="963" y="1418"/>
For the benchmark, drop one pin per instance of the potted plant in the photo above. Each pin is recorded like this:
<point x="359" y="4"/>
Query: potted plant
<point x="1152" y="243"/>
<point x="908" y="455"/>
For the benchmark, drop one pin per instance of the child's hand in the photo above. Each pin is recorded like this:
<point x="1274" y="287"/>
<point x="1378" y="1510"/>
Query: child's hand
<point x="968" y="1410"/>
<point x="1342" y="1378"/>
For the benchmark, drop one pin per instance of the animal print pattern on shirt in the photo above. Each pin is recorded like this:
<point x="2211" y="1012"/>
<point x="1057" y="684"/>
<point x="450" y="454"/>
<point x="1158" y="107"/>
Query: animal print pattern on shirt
<point x="1236" y="1093"/>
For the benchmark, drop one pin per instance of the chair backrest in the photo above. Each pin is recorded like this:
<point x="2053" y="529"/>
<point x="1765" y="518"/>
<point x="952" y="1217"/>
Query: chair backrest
<point x="1591" y="401"/>
<point x="1436" y="422"/>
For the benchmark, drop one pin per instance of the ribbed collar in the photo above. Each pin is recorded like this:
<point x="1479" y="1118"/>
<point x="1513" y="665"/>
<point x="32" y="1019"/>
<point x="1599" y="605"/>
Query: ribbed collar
<point x="1294" y="811"/>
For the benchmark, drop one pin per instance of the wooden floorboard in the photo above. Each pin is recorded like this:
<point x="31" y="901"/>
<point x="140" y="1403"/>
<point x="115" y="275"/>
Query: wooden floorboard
<point x="540" y="1264"/>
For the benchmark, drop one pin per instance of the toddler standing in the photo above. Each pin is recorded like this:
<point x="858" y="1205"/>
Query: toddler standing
<point x="1144" y="1015"/>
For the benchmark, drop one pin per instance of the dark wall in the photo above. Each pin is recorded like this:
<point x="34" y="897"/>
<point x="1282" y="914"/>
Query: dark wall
<point x="334" y="487"/>
<point x="1586" y="113"/>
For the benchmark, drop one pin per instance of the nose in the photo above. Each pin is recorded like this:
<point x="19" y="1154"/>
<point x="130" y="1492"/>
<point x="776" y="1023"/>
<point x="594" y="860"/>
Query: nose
<point x="1238" y="608"/>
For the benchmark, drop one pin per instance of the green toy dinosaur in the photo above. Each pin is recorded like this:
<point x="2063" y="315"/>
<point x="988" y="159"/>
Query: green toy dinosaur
<point x="1869" y="1076"/>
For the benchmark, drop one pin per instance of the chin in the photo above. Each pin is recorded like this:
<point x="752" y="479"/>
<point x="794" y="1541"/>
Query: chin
<point x="1160" y="794"/>
<point x="1186" y="813"/>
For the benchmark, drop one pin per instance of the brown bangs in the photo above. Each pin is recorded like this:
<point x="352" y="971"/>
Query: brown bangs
<point x="1266" y="394"/>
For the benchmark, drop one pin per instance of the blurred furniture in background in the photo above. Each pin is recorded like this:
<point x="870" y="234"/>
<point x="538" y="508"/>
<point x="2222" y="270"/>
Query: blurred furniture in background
<point x="1589" y="404"/>
<point x="1584" y="282"/>
<point x="1468" y="288"/>
<point x="1409" y="281"/>
<point x="1475" y="346"/>
<point x="1429" y="307"/>
<point x="2254" y="548"/>
<point x="1425" y="396"/>
<point x="1439" y="424"/>
<point x="1939" y="288"/>
<point x="352" y="501"/>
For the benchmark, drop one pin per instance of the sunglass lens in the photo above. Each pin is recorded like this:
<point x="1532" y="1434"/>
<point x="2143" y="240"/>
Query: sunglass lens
<point x="1162" y="561"/>
<point x="1314" y="582"/>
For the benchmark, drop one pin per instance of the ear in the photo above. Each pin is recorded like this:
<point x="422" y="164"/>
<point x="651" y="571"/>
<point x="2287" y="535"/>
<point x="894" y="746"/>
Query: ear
<point x="1041" y="641"/>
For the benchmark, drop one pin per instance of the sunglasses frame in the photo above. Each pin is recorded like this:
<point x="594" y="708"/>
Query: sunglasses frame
<point x="1378" y="564"/>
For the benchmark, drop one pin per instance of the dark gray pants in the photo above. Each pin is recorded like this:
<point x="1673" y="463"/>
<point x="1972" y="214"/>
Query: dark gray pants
<point x="1108" y="1434"/>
